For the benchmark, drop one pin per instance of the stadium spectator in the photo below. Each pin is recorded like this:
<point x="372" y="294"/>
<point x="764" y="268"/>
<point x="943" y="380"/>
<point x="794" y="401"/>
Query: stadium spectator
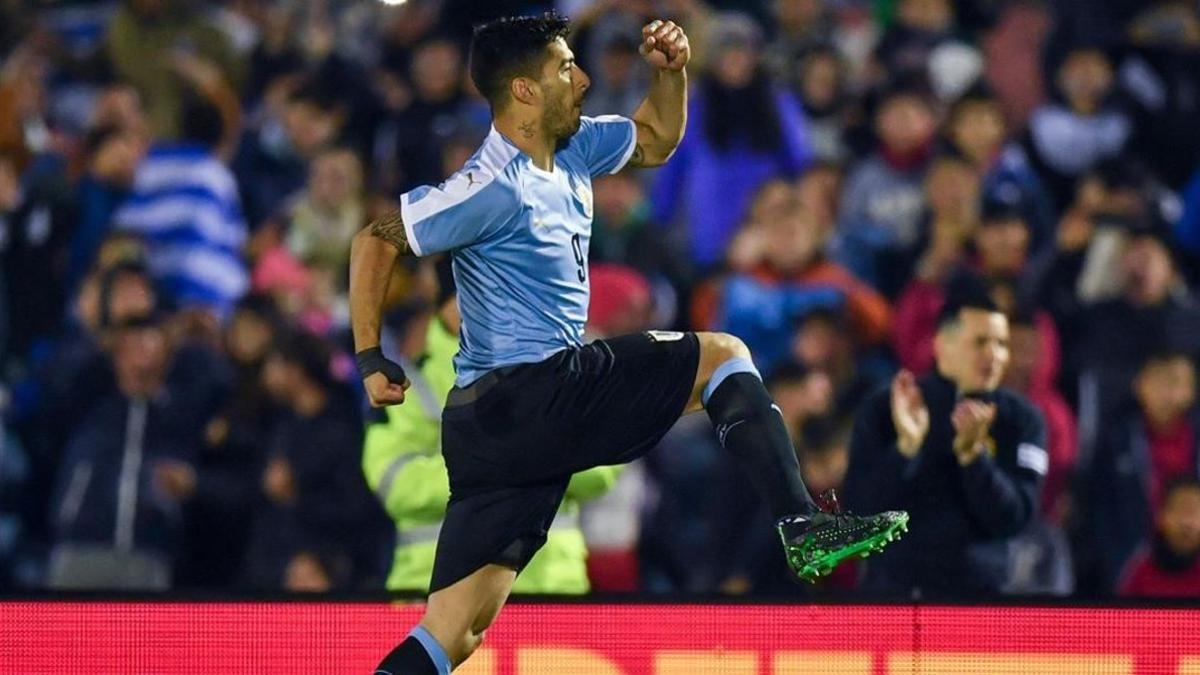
<point x="1169" y="566"/>
<point x="977" y="129"/>
<point x="36" y="217"/>
<point x="820" y="346"/>
<point x="964" y="456"/>
<point x="1158" y="70"/>
<point x="223" y="481"/>
<point x="745" y="131"/>
<point x="316" y="527"/>
<point x="184" y="205"/>
<point x="1003" y="243"/>
<point x="145" y="41"/>
<point x="952" y="190"/>
<point x="783" y="275"/>
<point x="76" y="372"/>
<point x="441" y="108"/>
<point x="920" y="26"/>
<point x="112" y="156"/>
<point x="113" y="528"/>
<point x="1152" y="296"/>
<point x="882" y="200"/>
<point x="302" y="115"/>
<point x="1084" y="266"/>
<point x="1082" y="128"/>
<point x="822" y="91"/>
<point x="24" y="106"/>
<point x="314" y="231"/>
<point x="802" y="27"/>
<point x="1136" y="457"/>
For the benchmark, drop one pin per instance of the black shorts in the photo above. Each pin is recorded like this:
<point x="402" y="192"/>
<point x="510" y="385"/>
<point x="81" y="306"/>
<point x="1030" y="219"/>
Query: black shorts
<point x="513" y="439"/>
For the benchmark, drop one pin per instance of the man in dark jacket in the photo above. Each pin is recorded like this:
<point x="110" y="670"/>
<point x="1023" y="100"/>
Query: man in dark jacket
<point x="965" y="457"/>
<point x="114" y="529"/>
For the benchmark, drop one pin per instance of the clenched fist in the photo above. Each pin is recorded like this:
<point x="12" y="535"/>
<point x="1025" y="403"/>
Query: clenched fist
<point x="665" y="46"/>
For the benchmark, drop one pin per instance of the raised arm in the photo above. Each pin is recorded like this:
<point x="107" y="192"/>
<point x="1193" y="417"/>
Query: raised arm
<point x="373" y="254"/>
<point x="662" y="117"/>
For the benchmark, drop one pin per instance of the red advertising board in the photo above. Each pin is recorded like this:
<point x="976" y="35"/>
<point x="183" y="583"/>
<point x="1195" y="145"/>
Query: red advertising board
<point x="569" y="639"/>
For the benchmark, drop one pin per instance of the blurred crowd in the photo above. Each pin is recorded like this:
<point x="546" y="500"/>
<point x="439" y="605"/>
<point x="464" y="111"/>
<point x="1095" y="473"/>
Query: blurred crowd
<point x="180" y="182"/>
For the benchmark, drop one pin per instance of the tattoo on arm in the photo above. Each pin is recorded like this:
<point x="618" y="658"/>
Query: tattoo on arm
<point x="391" y="229"/>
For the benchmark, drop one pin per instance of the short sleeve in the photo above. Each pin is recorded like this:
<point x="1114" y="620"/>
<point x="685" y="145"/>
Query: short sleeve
<point x="606" y="142"/>
<point x="464" y="210"/>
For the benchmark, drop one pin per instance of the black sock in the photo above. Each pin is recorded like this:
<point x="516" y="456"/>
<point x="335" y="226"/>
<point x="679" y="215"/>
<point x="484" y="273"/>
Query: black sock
<point x="749" y="426"/>
<point x="409" y="658"/>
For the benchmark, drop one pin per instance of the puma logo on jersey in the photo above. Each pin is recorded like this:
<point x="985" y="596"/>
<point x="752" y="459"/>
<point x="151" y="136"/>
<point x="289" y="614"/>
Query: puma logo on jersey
<point x="471" y="179"/>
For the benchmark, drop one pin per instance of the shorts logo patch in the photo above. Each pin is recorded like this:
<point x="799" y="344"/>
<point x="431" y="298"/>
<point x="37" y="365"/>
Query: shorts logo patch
<point x="664" y="335"/>
<point x="724" y="429"/>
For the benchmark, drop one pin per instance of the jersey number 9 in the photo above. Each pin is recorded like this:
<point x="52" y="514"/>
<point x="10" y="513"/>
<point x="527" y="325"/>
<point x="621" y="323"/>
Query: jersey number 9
<point x="578" y="248"/>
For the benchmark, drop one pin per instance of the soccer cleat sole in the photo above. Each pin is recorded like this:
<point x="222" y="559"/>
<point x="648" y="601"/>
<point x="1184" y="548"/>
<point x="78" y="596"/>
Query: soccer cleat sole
<point x="823" y="565"/>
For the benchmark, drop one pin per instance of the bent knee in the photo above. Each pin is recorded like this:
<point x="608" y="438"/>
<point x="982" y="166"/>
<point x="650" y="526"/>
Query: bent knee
<point x="717" y="348"/>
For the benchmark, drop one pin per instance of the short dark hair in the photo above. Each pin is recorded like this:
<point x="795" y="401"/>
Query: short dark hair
<point x="964" y="292"/>
<point x="1165" y="355"/>
<point x="911" y="87"/>
<point x="108" y="281"/>
<point x="510" y="47"/>
<point x="153" y="320"/>
<point x="995" y="211"/>
<point x="200" y="120"/>
<point x="978" y="94"/>
<point x="1178" y="483"/>
<point x="317" y="92"/>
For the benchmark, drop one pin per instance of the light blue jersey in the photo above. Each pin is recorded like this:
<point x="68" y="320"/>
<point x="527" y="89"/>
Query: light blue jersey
<point x="519" y="237"/>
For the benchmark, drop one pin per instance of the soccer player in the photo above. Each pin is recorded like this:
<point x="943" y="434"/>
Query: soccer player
<point x="532" y="404"/>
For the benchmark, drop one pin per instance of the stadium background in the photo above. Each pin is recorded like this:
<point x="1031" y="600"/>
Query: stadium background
<point x="848" y="163"/>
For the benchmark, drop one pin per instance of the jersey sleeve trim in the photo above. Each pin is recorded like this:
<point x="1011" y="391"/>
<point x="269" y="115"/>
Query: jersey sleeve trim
<point x="408" y="218"/>
<point x="629" y="150"/>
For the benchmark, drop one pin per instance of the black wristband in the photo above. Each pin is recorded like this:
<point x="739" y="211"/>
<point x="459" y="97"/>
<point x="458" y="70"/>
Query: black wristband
<point x="372" y="360"/>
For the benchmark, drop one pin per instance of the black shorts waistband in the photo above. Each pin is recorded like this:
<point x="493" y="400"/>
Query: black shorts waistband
<point x="460" y="396"/>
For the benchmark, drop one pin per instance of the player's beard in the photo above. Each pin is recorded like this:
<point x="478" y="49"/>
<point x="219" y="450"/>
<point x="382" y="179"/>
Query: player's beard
<point x="562" y="118"/>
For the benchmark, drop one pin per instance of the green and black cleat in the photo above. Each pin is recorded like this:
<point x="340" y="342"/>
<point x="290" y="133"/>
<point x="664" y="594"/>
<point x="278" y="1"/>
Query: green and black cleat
<point x="817" y="543"/>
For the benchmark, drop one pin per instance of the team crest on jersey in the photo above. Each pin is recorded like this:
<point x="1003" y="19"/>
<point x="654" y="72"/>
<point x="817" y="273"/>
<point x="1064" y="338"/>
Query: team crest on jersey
<point x="584" y="194"/>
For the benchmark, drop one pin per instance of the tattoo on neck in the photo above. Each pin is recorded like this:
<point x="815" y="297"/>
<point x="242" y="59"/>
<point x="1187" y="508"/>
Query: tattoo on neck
<point x="638" y="155"/>
<point x="527" y="129"/>
<point x="391" y="229"/>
